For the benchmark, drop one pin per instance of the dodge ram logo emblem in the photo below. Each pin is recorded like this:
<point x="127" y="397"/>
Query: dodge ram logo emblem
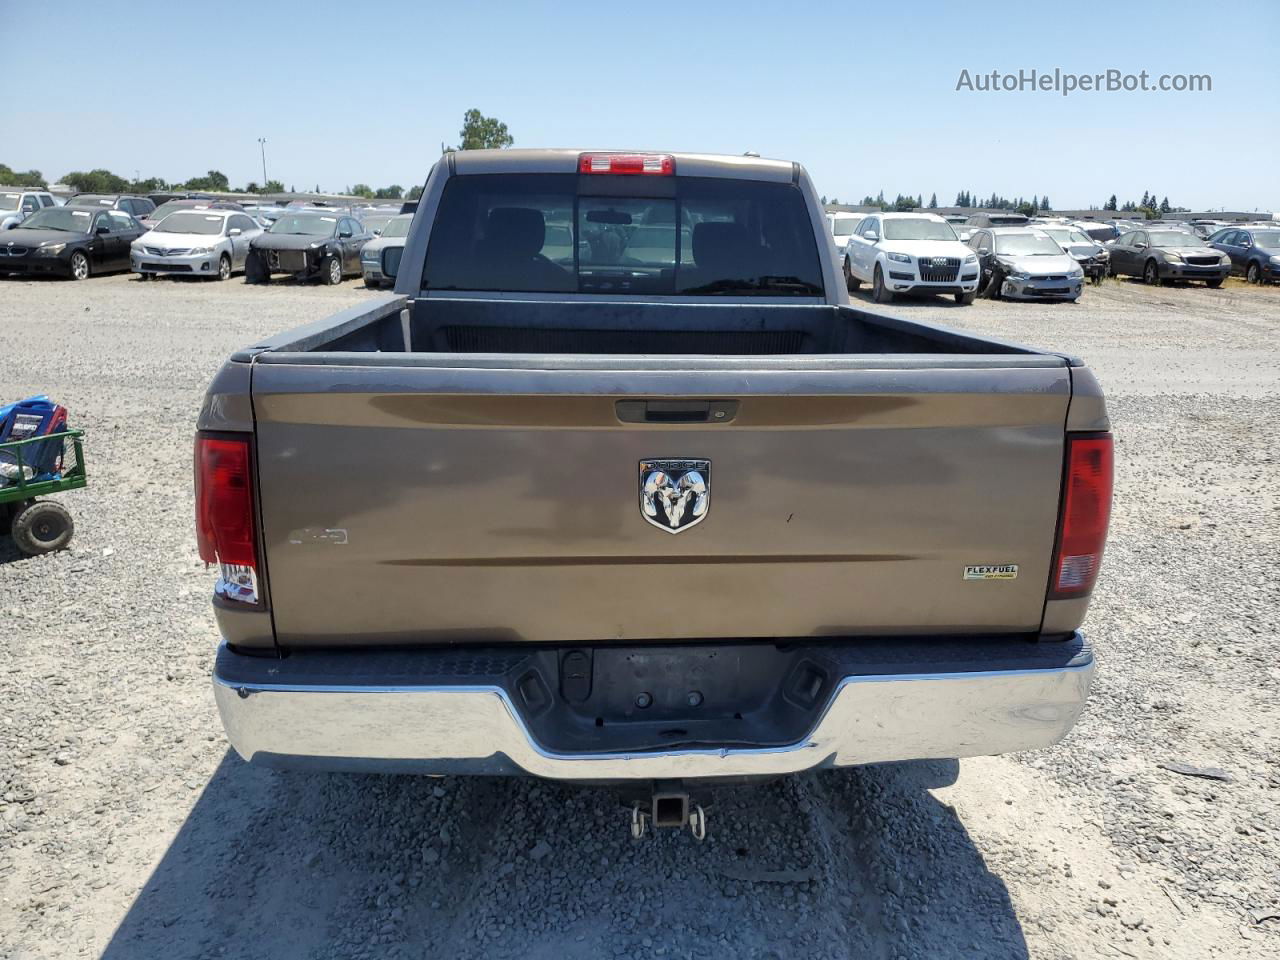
<point x="675" y="494"/>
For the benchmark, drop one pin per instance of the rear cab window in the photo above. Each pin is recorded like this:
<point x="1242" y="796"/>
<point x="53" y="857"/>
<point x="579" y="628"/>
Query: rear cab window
<point x="667" y="236"/>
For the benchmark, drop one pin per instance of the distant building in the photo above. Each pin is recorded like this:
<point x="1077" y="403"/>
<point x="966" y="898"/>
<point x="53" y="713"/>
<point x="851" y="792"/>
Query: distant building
<point x="1230" y="216"/>
<point x="850" y="208"/>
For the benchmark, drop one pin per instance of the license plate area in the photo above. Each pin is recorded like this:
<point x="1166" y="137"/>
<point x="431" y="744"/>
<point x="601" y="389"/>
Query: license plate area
<point x="637" y="698"/>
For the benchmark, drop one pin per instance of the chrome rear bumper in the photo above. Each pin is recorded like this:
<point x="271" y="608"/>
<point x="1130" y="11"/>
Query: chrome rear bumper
<point x="476" y="728"/>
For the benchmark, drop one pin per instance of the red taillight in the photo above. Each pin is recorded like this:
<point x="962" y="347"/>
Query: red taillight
<point x="224" y="502"/>
<point x="652" y="164"/>
<point x="1086" y="511"/>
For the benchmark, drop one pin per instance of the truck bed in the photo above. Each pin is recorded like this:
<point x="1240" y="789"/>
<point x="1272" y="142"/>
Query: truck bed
<point x="478" y="326"/>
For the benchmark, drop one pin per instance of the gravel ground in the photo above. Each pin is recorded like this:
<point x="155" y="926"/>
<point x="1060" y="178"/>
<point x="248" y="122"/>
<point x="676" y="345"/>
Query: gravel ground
<point x="127" y="830"/>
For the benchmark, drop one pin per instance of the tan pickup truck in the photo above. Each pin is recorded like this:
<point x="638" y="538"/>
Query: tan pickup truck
<point x="618" y="487"/>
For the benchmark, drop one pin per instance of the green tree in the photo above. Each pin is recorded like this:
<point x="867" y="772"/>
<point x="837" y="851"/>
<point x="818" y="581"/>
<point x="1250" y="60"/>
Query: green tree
<point x="933" y="201"/>
<point x="361" y="190"/>
<point x="96" y="181"/>
<point x="1044" y="203"/>
<point x="482" y="133"/>
<point x="393" y="192"/>
<point x="1164" y="206"/>
<point x="273" y="186"/>
<point x="214" y="180"/>
<point x="414" y="193"/>
<point x="251" y="187"/>
<point x="12" y="178"/>
<point x="1027" y="208"/>
<point x="149" y="185"/>
<point x="1110" y="204"/>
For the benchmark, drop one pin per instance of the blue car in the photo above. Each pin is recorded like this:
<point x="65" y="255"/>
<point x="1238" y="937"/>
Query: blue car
<point x="1254" y="251"/>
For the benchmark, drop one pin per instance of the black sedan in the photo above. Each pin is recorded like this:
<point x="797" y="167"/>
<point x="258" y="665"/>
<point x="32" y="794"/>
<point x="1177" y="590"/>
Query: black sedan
<point x="1160" y="255"/>
<point x="69" y="241"/>
<point x="306" y="246"/>
<point x="1254" y="251"/>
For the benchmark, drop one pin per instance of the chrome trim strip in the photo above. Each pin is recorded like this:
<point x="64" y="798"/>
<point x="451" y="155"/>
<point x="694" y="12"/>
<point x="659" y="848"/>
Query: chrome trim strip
<point x="476" y="729"/>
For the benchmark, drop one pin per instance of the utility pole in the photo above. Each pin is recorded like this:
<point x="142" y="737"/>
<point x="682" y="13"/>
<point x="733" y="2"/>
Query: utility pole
<point x="262" y="142"/>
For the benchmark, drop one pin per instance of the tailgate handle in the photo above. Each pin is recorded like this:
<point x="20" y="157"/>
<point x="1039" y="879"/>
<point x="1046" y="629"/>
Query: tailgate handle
<point x="677" y="411"/>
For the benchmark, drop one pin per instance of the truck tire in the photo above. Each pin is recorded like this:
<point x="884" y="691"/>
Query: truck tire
<point x="879" y="292"/>
<point x="851" y="283"/>
<point x="42" y="526"/>
<point x="331" y="272"/>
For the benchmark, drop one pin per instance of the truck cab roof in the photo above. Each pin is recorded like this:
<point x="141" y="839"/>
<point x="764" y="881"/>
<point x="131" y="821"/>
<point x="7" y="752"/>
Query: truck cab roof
<point x="563" y="160"/>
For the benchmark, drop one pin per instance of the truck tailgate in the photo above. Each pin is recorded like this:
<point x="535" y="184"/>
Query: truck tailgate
<point x="408" y="503"/>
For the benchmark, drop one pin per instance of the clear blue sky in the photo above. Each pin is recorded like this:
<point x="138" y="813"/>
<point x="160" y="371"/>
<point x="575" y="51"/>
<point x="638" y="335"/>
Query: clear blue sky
<point x="862" y="93"/>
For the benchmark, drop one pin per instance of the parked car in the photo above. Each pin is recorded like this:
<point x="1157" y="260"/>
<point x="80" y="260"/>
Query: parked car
<point x="393" y="235"/>
<point x="195" y="242"/>
<point x="308" y="245"/>
<point x="1254" y="251"/>
<point x="265" y="213"/>
<point x="18" y="203"/>
<point x="1033" y="265"/>
<point x="840" y="226"/>
<point x="909" y="253"/>
<point x="1206" y="228"/>
<point x="376" y="218"/>
<point x="69" y="241"/>
<point x="996" y="220"/>
<point x="1091" y="255"/>
<point x="173" y="206"/>
<point x="491" y="526"/>
<point x="1101" y="232"/>
<point x="1157" y="255"/>
<point x="134" y="206"/>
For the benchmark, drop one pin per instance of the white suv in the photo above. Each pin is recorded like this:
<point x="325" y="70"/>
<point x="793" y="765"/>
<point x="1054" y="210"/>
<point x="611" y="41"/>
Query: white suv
<point x="909" y="253"/>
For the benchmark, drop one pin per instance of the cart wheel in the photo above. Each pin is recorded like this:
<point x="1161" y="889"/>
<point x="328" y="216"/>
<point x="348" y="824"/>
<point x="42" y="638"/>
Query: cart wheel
<point x="42" y="526"/>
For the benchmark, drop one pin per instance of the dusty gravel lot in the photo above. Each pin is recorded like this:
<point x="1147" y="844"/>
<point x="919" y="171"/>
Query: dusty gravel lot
<point x="128" y="831"/>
